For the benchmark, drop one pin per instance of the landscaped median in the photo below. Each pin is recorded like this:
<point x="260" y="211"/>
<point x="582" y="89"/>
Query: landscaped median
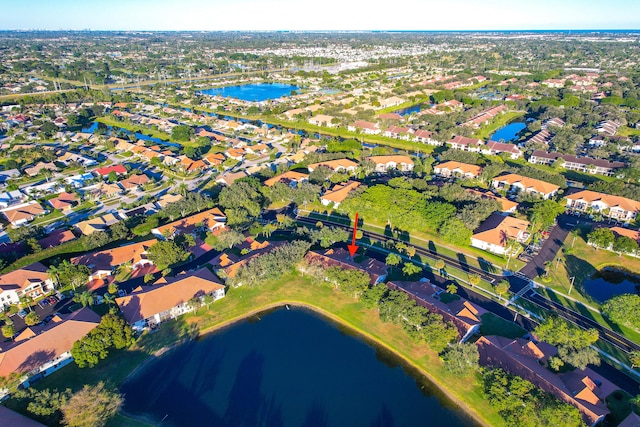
<point x="293" y="289"/>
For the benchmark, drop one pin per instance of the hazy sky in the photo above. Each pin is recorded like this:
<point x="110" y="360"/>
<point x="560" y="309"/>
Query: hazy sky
<point x="319" y="15"/>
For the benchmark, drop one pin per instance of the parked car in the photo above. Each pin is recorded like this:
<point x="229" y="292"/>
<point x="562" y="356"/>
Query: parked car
<point x="22" y="314"/>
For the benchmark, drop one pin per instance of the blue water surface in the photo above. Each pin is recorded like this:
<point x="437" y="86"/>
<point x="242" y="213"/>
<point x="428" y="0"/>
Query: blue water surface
<point x="285" y="368"/>
<point x="253" y="92"/>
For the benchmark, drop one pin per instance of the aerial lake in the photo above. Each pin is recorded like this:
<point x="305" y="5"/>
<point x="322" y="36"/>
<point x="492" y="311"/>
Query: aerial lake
<point x="286" y="368"/>
<point x="253" y="92"/>
<point x="609" y="283"/>
<point x="508" y="133"/>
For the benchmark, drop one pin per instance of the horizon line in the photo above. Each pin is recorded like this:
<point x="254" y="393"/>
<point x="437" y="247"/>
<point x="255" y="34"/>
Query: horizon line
<point x="552" y="30"/>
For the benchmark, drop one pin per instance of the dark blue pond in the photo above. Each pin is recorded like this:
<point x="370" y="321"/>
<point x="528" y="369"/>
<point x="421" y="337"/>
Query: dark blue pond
<point x="113" y="131"/>
<point x="285" y="368"/>
<point x="509" y="132"/>
<point x="253" y="92"/>
<point x="609" y="283"/>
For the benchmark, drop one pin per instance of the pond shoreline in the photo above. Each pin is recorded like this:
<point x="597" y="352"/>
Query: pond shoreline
<point x="368" y="338"/>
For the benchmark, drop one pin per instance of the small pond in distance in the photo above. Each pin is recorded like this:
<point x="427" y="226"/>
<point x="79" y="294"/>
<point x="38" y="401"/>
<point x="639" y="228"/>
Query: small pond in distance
<point x="509" y="132"/>
<point x="253" y="92"/>
<point x="609" y="283"/>
<point x="286" y="368"/>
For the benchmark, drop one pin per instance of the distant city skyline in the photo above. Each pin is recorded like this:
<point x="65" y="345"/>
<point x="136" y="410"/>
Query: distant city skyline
<point x="332" y="15"/>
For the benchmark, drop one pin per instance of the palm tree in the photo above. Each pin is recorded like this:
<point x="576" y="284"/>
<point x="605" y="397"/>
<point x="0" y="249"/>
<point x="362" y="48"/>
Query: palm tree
<point x="109" y="298"/>
<point x="409" y="269"/>
<point x="452" y="288"/>
<point x="474" y="279"/>
<point x="85" y="298"/>
<point x="439" y="264"/>
<point x="411" y="251"/>
<point x="510" y="249"/>
<point x="53" y="273"/>
<point x="392" y="260"/>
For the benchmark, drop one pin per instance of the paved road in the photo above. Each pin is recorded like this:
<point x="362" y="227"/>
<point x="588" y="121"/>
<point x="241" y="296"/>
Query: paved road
<point x="550" y="248"/>
<point x="517" y="283"/>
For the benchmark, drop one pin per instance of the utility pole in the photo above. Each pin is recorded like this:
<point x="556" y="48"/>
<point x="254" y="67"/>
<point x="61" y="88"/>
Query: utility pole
<point x="571" y="284"/>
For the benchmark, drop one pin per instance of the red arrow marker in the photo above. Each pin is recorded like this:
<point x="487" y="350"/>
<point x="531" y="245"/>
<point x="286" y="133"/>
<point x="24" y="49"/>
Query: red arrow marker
<point x="353" y="248"/>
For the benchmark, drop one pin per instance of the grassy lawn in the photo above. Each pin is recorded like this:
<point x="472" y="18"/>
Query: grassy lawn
<point x="291" y="289"/>
<point x="495" y="325"/>
<point x="627" y="131"/>
<point x="52" y="216"/>
<point x="619" y="403"/>
<point x="497" y="123"/>
<point x="472" y="256"/>
<point x="74" y="246"/>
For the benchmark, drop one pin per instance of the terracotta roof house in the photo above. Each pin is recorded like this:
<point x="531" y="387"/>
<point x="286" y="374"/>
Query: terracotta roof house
<point x="101" y="223"/>
<point x="291" y="178"/>
<point x="210" y="219"/>
<point x="254" y="248"/>
<point x="105" y="171"/>
<point x="465" y="315"/>
<point x="495" y="148"/>
<point x="338" y="193"/>
<point x="452" y="168"/>
<point x="215" y="159"/>
<point x="134" y="181"/>
<point x="425" y="137"/>
<point x="364" y="127"/>
<point x="586" y="390"/>
<point x="56" y="238"/>
<point x="14" y="419"/>
<point x="43" y="350"/>
<point x="507" y="205"/>
<point x="399" y="132"/>
<point x="376" y="270"/>
<point x="493" y="234"/>
<point x="384" y="163"/>
<point x="614" y="207"/>
<point x="168" y="298"/>
<point x="22" y="214"/>
<point x="463" y="143"/>
<point x="31" y="280"/>
<point x="64" y="201"/>
<point x="104" y="263"/>
<point x="519" y="183"/>
<point x="340" y="165"/>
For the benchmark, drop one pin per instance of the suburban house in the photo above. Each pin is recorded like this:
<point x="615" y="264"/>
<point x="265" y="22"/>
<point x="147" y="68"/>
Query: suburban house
<point x="211" y="219"/>
<point x="465" y="315"/>
<point x="584" y="389"/>
<point x="40" y="350"/>
<point x="322" y="120"/>
<point x="39" y="167"/>
<point x="229" y="178"/>
<point x="364" y="127"/>
<point x="398" y="162"/>
<point x="495" y="232"/>
<point x="614" y="207"/>
<point x="169" y="297"/>
<point x="340" y="257"/>
<point x="22" y="214"/>
<point x="518" y="183"/>
<point x="56" y="238"/>
<point x="134" y="182"/>
<point x="165" y="199"/>
<point x="340" y="165"/>
<point x="495" y="148"/>
<point x="290" y="178"/>
<point x="425" y="137"/>
<point x="507" y="205"/>
<point x="64" y="201"/>
<point x="403" y="133"/>
<point x="31" y="280"/>
<point x="580" y="164"/>
<point x="463" y="143"/>
<point x="227" y="265"/>
<point x="105" y="171"/>
<point x="100" y="223"/>
<point x="105" y="190"/>
<point x="105" y="263"/>
<point x="338" y="193"/>
<point x="457" y="169"/>
<point x="9" y="198"/>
